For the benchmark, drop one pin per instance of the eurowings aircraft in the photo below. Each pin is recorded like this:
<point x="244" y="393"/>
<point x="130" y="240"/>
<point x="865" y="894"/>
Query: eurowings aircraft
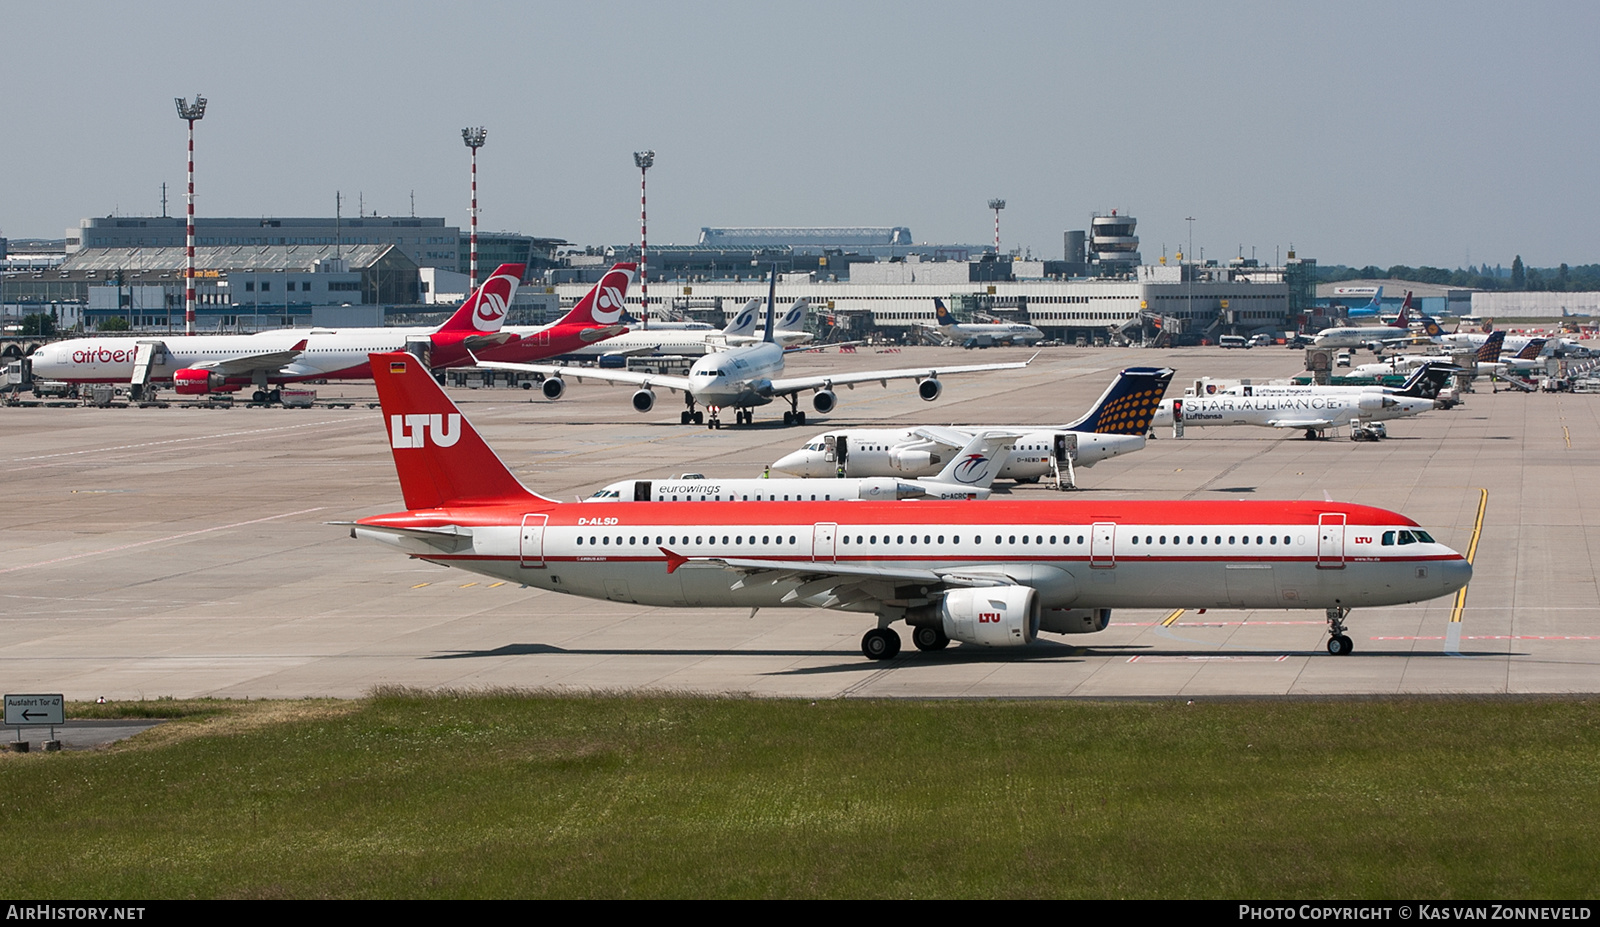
<point x="968" y="475"/>
<point x="742" y="378"/>
<point x="1116" y="424"/>
<point x="982" y="334"/>
<point x="996" y="573"/>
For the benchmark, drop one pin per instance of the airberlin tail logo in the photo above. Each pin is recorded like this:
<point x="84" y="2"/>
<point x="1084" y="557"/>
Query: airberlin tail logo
<point x="492" y="301"/>
<point x="423" y="429"/>
<point x="607" y="308"/>
<point x="972" y="469"/>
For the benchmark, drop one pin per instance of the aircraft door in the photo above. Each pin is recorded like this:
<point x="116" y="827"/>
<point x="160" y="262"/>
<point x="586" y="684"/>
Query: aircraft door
<point x="531" y="548"/>
<point x="641" y="490"/>
<point x="1102" y="549"/>
<point x="1066" y="447"/>
<point x="822" y="535"/>
<point x="1330" y="541"/>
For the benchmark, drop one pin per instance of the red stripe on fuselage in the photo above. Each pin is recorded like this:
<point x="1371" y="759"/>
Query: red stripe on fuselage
<point x="972" y="515"/>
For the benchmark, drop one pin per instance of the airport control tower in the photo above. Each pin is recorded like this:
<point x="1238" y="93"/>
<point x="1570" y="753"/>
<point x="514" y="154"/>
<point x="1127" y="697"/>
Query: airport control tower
<point x="1112" y="243"/>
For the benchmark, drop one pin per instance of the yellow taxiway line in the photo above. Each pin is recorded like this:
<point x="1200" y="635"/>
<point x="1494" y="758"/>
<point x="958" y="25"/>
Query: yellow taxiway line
<point x="1472" y="551"/>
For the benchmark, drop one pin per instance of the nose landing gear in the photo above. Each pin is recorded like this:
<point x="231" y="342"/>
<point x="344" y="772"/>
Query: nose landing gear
<point x="1339" y="644"/>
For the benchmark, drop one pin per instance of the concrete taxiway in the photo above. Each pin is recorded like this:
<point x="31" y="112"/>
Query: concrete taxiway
<point x="185" y="552"/>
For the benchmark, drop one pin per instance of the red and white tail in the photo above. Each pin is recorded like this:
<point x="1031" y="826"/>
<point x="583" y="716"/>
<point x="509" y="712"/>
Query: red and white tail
<point x="441" y="458"/>
<point x="1403" y="320"/>
<point x="603" y="305"/>
<point x="485" y="310"/>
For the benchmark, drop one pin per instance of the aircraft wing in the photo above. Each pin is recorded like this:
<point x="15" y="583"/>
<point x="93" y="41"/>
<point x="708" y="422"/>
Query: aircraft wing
<point x="786" y="385"/>
<point x="271" y="361"/>
<point x="1303" y="423"/>
<point x="580" y="374"/>
<point x="829" y="585"/>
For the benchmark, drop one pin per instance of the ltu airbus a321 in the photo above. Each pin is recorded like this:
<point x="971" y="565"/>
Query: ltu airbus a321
<point x="984" y="573"/>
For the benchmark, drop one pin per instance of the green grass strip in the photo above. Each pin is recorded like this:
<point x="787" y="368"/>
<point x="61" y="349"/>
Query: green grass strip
<point x="527" y="795"/>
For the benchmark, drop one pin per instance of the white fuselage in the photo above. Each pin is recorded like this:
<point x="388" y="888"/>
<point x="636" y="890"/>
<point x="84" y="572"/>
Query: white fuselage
<point x="905" y="452"/>
<point x="739" y="377"/>
<point x="1357" y="336"/>
<point x="1310" y="410"/>
<point x="779" y="489"/>
<point x="1271" y="555"/>
<point x="991" y="333"/>
<point x="328" y="354"/>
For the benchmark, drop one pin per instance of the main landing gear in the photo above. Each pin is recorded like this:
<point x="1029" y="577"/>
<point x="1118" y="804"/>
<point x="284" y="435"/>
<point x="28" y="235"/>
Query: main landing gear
<point x="929" y="638"/>
<point x="1339" y="643"/>
<point x="689" y="416"/>
<point x="881" y="644"/>
<point x="794" y="416"/>
<point x="740" y="417"/>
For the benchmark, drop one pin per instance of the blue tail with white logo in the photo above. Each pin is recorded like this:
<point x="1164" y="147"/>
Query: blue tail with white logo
<point x="1128" y="404"/>
<point x="942" y="314"/>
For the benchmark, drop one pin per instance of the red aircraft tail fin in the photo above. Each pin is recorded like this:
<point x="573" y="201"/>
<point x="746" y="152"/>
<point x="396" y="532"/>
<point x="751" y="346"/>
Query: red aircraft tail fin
<point x="485" y="310"/>
<point x="603" y="305"/>
<point x="441" y="459"/>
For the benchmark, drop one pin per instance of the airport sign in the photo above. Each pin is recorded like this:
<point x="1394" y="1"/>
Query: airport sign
<point x="23" y="710"/>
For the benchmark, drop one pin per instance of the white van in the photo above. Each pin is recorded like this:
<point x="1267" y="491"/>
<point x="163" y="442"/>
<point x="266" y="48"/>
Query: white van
<point x="1233" y="341"/>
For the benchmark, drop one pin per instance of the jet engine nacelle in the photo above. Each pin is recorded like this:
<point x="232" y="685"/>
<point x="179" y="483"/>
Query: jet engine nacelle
<point x="930" y="389"/>
<point x="996" y="616"/>
<point x="553" y="387"/>
<point x="1075" y="620"/>
<point x="912" y="459"/>
<point x="644" y="400"/>
<point x="1372" y="402"/>
<point x="192" y="382"/>
<point x="823" y="400"/>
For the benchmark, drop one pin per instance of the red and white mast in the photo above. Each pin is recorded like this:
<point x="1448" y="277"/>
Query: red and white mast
<point x="644" y="160"/>
<point x="191" y="115"/>
<point x="474" y="139"/>
<point x="997" y="205"/>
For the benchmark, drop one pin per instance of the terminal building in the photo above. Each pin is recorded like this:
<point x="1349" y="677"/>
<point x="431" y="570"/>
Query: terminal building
<point x="1099" y="292"/>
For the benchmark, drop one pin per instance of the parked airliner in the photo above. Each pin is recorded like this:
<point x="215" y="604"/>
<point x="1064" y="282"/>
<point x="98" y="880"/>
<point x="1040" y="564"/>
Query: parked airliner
<point x="200" y="364"/>
<point x="968" y="475"/>
<point x="995" y="573"/>
<point x="742" y="378"/>
<point x="1116" y="424"/>
<point x="982" y="334"/>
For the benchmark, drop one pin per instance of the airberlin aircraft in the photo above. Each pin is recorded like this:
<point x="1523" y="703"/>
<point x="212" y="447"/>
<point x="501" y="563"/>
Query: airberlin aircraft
<point x="199" y="364"/>
<point x="982" y="573"/>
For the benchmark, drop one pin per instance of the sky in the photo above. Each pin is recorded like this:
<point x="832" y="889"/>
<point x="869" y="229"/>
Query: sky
<point x="1421" y="133"/>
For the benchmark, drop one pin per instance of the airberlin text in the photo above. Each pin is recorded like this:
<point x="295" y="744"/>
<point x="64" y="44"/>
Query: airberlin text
<point x="1422" y="912"/>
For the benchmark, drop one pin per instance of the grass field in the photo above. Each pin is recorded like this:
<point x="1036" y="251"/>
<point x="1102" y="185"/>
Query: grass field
<point x="519" y="795"/>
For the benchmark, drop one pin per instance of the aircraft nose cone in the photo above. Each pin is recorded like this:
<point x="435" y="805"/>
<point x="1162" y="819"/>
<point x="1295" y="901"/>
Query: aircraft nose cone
<point x="1455" y="574"/>
<point x="798" y="463"/>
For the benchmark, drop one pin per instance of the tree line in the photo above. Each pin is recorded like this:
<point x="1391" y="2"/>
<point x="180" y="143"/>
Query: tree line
<point x="1561" y="279"/>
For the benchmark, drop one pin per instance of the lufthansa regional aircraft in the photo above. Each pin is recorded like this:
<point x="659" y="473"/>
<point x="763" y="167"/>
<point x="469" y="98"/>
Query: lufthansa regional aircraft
<point x="1310" y="409"/>
<point x="995" y="573"/>
<point x="1115" y="425"/>
<point x="200" y="364"/>
<point x="968" y="475"/>
<point x="743" y="378"/>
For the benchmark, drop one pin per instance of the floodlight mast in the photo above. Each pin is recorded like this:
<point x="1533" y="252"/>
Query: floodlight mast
<point x="190" y="114"/>
<point x="474" y="138"/>
<point x="997" y="205"/>
<point x="644" y="160"/>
